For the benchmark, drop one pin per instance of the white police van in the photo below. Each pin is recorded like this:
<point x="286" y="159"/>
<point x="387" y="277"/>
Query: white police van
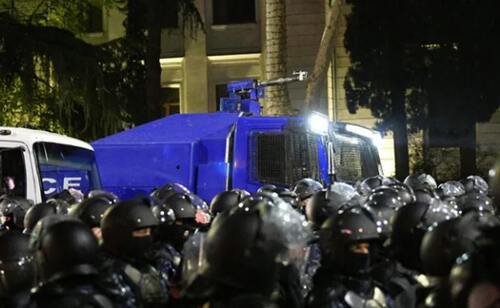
<point x="36" y="164"/>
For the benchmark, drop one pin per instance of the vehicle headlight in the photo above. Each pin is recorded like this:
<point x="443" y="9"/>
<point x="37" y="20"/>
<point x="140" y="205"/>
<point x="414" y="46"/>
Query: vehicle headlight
<point x="318" y="123"/>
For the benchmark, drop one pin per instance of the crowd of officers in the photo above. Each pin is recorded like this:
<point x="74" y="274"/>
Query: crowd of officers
<point x="378" y="243"/>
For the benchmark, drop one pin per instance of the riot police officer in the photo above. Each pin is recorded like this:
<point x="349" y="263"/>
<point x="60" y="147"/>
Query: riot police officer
<point x="245" y="250"/>
<point x="17" y="271"/>
<point x="305" y="188"/>
<point x="66" y="254"/>
<point x="90" y="211"/>
<point x="179" y="218"/>
<point x="12" y="212"/>
<point x="343" y="280"/>
<point x="37" y="212"/>
<point x="126" y="271"/>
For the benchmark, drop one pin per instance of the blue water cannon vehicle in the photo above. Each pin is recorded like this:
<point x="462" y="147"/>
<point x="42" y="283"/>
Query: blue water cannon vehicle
<point x="236" y="147"/>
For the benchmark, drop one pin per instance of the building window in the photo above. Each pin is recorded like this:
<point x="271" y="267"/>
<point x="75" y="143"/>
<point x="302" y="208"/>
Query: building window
<point x="220" y="92"/>
<point x="170" y="17"/>
<point x="170" y="99"/>
<point x="226" y="12"/>
<point x="94" y="22"/>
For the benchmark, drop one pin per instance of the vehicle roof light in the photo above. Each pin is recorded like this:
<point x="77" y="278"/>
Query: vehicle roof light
<point x="374" y="136"/>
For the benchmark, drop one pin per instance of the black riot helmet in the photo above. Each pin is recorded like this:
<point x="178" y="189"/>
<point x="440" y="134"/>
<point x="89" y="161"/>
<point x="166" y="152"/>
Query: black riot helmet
<point x="65" y="247"/>
<point x="410" y="224"/>
<point x="442" y="245"/>
<point x="267" y="188"/>
<point x="17" y="271"/>
<point x="366" y="186"/>
<point x="405" y="193"/>
<point x="383" y="203"/>
<point x="305" y="188"/>
<point x="327" y="202"/>
<point x="226" y="200"/>
<point x="477" y="202"/>
<point x="475" y="184"/>
<point x="451" y="189"/>
<point x="421" y="181"/>
<point x="385" y="196"/>
<point x="91" y="210"/>
<point x="36" y="213"/>
<point x="179" y="217"/>
<point x="12" y="212"/>
<point x="111" y="197"/>
<point x="289" y="197"/>
<point x="246" y="246"/>
<point x="119" y="223"/>
<point x="340" y="232"/>
<point x="70" y="196"/>
<point x="161" y="194"/>
<point x="426" y="196"/>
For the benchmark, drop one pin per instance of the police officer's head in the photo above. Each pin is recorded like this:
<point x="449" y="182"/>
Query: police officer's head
<point x="37" y="212"/>
<point x="366" y="186"/>
<point x="383" y="203"/>
<point x="421" y="181"/>
<point x="164" y="192"/>
<point x="179" y="217"/>
<point x="305" y="188"/>
<point x="327" y="202"/>
<point x="475" y="184"/>
<point x="17" y="271"/>
<point x="410" y="224"/>
<point x="90" y="211"/>
<point x="12" y="212"/>
<point x="443" y="244"/>
<point x="63" y="247"/>
<point x="226" y="200"/>
<point x="476" y="202"/>
<point x="345" y="241"/>
<point x="127" y="229"/>
<point x="246" y="247"/>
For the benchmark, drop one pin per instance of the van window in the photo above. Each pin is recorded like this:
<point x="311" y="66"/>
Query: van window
<point x="13" y="172"/>
<point x="64" y="167"/>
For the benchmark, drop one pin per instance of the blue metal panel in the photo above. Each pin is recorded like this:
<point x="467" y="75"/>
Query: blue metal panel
<point x="211" y="179"/>
<point x="179" y="128"/>
<point x="130" y="170"/>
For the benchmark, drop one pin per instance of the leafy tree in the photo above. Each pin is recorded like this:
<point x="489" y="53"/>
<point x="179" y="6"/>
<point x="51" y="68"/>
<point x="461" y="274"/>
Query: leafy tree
<point x="51" y="78"/>
<point x="423" y="65"/>
<point x="45" y="66"/>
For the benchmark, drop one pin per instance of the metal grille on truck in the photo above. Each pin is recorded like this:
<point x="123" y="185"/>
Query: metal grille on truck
<point x="284" y="158"/>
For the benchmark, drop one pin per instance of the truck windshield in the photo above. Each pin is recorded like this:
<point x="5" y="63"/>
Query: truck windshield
<point x="64" y="167"/>
<point x="12" y="172"/>
<point x="355" y="158"/>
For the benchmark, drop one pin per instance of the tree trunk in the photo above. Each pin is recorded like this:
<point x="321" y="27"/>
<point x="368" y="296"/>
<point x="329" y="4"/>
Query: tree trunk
<point x="322" y="57"/>
<point x="152" y="61"/>
<point x="277" y="99"/>
<point x="400" y="134"/>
